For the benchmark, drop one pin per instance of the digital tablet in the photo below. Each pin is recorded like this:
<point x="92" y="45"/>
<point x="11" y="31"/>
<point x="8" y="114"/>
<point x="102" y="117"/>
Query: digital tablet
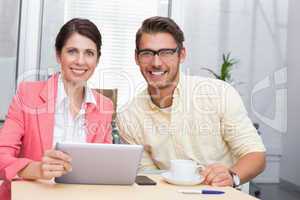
<point x="107" y="164"/>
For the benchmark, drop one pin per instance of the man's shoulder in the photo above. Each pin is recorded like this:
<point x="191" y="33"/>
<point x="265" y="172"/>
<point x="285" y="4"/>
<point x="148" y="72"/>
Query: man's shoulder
<point x="136" y="106"/>
<point x="195" y="80"/>
<point x="204" y="85"/>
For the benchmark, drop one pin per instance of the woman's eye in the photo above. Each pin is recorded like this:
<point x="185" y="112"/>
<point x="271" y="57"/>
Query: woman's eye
<point x="71" y="51"/>
<point x="90" y="53"/>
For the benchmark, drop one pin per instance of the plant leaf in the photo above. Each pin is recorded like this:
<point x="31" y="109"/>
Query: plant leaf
<point x="212" y="72"/>
<point x="227" y="67"/>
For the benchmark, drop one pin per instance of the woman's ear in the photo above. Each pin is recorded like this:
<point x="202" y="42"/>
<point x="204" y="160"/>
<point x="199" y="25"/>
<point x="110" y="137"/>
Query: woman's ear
<point x="58" y="57"/>
<point x="98" y="57"/>
<point x="182" y="54"/>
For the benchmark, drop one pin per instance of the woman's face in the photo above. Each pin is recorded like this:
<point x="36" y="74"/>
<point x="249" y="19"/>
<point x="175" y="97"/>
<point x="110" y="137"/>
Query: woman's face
<point x="78" y="58"/>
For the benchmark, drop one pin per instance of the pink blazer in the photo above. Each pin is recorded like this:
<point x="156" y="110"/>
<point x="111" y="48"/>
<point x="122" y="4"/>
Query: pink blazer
<point x="28" y="129"/>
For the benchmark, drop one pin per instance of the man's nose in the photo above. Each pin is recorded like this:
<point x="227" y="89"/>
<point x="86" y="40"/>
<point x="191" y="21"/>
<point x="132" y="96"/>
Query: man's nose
<point x="157" y="60"/>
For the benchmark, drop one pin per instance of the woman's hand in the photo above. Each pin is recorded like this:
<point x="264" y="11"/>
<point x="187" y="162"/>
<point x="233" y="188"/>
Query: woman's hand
<point x="54" y="164"/>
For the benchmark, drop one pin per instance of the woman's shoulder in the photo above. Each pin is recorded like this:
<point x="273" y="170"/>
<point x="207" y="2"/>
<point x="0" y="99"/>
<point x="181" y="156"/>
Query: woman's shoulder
<point x="102" y="100"/>
<point x="30" y="88"/>
<point x="37" y="91"/>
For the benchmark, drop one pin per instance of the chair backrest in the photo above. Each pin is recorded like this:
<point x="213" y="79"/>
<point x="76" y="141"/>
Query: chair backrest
<point x="0" y="177"/>
<point x="112" y="94"/>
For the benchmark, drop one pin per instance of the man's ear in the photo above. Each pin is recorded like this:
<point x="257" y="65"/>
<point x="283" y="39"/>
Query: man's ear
<point x="182" y="54"/>
<point x="136" y="57"/>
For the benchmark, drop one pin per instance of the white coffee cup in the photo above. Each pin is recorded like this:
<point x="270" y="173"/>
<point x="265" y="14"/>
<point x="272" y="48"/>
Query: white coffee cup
<point x="185" y="169"/>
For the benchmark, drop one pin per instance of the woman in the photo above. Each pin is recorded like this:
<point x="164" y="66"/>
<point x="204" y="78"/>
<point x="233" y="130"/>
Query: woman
<point x="60" y="109"/>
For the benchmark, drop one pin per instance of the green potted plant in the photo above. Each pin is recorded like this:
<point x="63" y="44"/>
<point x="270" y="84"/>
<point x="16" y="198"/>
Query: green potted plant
<point x="226" y="68"/>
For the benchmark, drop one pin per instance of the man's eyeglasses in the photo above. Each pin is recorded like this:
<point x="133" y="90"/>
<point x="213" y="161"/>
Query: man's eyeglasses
<point x="147" y="55"/>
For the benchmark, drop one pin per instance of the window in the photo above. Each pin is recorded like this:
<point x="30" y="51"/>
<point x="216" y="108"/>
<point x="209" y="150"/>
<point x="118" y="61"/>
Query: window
<point x="9" y="28"/>
<point x="118" y="21"/>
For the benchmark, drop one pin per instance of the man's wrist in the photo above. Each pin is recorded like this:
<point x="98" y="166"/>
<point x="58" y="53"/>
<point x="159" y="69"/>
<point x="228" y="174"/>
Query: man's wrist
<point x="236" y="181"/>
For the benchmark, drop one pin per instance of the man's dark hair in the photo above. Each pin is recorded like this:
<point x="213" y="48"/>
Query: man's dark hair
<point x="83" y="27"/>
<point x="159" y="24"/>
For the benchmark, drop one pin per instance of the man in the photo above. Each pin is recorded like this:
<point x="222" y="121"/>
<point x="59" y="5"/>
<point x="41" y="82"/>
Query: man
<point x="184" y="117"/>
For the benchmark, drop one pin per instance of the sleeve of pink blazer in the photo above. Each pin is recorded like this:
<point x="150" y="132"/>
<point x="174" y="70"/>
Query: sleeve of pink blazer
<point x="11" y="140"/>
<point x="13" y="131"/>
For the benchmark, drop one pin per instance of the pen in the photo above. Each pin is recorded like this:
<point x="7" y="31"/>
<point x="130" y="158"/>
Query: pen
<point x="201" y="191"/>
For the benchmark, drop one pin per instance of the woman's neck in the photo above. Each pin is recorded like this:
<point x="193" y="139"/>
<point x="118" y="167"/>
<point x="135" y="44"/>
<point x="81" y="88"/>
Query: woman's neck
<point x="75" y="93"/>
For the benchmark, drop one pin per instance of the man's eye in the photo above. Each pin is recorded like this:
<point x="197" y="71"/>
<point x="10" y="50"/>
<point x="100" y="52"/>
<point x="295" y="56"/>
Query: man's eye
<point x="166" y="53"/>
<point x="146" y="53"/>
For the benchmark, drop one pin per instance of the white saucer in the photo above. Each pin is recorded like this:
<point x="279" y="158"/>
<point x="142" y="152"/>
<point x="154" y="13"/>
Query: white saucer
<point x="167" y="176"/>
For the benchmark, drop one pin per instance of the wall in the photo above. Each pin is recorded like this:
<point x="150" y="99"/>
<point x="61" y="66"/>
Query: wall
<point x="290" y="164"/>
<point x="9" y="23"/>
<point x="255" y="33"/>
<point x="50" y="27"/>
<point x="29" y="44"/>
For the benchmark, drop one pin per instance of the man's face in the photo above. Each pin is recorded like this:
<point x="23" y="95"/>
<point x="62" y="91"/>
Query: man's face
<point x="160" y="70"/>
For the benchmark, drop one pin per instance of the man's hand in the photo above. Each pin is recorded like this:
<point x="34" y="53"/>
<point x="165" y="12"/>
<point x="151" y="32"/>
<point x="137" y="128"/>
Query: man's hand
<point x="54" y="164"/>
<point x="217" y="175"/>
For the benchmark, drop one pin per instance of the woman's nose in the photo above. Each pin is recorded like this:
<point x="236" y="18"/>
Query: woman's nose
<point x="80" y="59"/>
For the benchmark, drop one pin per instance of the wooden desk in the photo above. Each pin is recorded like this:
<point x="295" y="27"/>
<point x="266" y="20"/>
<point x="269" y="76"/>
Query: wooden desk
<point x="45" y="190"/>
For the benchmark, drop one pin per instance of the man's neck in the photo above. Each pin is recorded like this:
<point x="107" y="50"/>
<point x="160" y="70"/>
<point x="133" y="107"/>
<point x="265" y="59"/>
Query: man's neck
<point x="163" y="97"/>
